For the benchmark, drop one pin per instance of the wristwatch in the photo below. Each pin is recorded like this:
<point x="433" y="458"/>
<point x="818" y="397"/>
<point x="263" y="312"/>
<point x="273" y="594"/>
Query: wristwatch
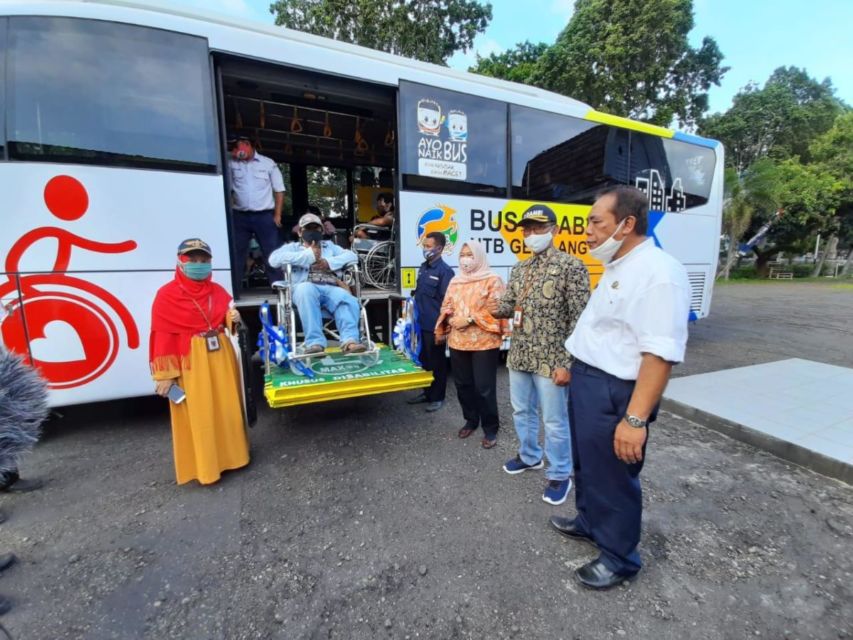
<point x="636" y="422"/>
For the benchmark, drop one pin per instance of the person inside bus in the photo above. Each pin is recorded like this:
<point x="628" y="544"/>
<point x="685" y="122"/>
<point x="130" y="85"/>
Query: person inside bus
<point x="191" y="356"/>
<point x="257" y="192"/>
<point x="474" y="337"/>
<point x="384" y="219"/>
<point x="316" y="266"/>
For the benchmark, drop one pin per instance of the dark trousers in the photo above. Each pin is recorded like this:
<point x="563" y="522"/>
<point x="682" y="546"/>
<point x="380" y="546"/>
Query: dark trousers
<point x="608" y="496"/>
<point x="433" y="359"/>
<point x="261" y="225"/>
<point x="475" y="375"/>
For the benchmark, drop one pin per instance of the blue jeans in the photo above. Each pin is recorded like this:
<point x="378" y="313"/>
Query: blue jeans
<point x="311" y="299"/>
<point x="532" y="394"/>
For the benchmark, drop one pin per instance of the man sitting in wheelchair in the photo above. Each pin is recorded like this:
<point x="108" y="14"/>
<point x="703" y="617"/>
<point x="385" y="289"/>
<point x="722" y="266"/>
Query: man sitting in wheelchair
<point x="316" y="283"/>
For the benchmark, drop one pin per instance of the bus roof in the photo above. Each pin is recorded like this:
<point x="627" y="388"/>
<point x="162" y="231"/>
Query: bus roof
<point x="231" y="35"/>
<point x="280" y="45"/>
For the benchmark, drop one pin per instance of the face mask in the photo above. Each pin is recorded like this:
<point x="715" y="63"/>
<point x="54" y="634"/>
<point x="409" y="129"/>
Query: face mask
<point x="429" y="254"/>
<point x="243" y="151"/>
<point x="197" y="270"/>
<point x="466" y="263"/>
<point x="607" y="249"/>
<point x="312" y="236"/>
<point x="538" y="242"/>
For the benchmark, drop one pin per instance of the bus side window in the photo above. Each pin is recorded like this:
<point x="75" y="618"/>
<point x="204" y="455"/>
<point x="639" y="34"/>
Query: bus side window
<point x="677" y="175"/>
<point x="96" y="92"/>
<point x="559" y="158"/>
<point x="452" y="142"/>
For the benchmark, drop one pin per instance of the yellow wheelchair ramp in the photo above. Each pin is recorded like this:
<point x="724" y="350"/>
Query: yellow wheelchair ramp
<point x="338" y="377"/>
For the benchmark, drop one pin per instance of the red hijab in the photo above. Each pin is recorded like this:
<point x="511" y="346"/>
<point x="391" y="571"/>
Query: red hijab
<point x="175" y="319"/>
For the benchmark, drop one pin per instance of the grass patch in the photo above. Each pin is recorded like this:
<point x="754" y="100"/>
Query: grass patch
<point x="844" y="284"/>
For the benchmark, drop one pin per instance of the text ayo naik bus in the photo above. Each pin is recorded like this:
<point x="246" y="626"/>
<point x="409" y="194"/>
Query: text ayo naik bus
<point x="116" y="118"/>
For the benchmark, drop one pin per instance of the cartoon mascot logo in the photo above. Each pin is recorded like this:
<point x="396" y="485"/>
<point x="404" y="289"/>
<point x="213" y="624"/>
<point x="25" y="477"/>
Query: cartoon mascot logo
<point x="441" y="219"/>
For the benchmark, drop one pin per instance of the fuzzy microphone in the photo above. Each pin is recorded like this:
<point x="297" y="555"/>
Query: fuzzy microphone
<point x="23" y="408"/>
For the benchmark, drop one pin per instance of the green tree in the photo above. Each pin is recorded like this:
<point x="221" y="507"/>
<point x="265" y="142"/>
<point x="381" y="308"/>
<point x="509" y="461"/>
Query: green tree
<point x="428" y="30"/>
<point x="810" y="196"/>
<point x="833" y="151"/>
<point x="779" y="120"/>
<point x="516" y="65"/>
<point x="633" y="59"/>
<point x="755" y="190"/>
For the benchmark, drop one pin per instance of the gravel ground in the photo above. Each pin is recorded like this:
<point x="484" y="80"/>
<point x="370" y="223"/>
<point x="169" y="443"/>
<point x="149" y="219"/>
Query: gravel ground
<point x="368" y="519"/>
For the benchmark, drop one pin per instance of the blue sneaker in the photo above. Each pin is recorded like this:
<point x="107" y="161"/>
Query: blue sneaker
<point x="515" y="465"/>
<point x="557" y="491"/>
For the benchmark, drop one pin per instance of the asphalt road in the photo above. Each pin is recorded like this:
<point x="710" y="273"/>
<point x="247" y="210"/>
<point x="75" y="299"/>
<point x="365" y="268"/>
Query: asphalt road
<point x="369" y="519"/>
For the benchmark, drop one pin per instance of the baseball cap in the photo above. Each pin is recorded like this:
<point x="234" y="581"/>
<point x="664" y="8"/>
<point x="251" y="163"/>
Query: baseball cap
<point x="539" y="213"/>
<point x="309" y="218"/>
<point x="194" y="244"/>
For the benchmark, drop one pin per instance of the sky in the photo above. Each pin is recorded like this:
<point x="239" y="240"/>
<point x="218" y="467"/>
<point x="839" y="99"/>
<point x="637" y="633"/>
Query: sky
<point x="755" y="36"/>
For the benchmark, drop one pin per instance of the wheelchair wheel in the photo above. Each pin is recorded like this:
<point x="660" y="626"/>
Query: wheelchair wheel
<point x="379" y="268"/>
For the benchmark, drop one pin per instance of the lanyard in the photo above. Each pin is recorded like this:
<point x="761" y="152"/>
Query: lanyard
<point x="529" y="279"/>
<point x="200" y="310"/>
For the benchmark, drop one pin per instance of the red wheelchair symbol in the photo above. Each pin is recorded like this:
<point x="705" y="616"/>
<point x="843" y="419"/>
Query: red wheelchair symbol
<point x="59" y="321"/>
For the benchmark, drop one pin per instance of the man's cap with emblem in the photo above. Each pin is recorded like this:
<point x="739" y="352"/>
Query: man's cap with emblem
<point x="194" y="244"/>
<point x="309" y="218"/>
<point x="539" y="213"/>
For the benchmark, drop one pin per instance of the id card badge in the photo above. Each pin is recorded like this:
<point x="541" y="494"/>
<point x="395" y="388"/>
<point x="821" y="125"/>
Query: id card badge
<point x="517" y="317"/>
<point x="212" y="340"/>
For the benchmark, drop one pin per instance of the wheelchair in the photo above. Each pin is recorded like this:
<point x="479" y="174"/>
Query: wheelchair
<point x="377" y="256"/>
<point x="300" y="362"/>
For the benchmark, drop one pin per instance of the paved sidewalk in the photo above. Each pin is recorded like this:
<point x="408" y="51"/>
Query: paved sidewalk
<point x="797" y="409"/>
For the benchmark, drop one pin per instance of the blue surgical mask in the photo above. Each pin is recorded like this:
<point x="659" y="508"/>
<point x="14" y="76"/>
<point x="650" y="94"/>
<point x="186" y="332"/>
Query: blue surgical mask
<point x="197" y="270"/>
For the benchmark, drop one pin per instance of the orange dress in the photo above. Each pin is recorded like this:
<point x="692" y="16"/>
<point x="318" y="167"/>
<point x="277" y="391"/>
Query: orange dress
<point x="468" y="299"/>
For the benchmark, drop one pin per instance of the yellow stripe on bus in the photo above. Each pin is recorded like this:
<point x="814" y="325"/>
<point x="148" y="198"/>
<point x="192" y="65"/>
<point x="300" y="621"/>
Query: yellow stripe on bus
<point x="625" y="123"/>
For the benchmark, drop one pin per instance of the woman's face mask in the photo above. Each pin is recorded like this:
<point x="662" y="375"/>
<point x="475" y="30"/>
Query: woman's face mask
<point x="196" y="270"/>
<point x="466" y="263"/>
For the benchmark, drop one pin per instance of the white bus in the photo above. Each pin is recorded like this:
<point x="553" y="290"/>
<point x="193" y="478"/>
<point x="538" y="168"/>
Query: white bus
<point x="116" y="119"/>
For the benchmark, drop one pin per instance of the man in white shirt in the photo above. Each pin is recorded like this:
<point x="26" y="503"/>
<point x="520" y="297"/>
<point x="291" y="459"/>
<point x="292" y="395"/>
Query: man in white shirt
<point x="257" y="194"/>
<point x="624" y="345"/>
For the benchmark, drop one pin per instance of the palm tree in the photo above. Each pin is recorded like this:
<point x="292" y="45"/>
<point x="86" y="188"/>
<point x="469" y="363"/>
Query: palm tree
<point x="755" y="189"/>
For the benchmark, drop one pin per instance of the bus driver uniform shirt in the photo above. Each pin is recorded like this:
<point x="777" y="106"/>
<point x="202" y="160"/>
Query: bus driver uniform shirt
<point x="641" y="305"/>
<point x="252" y="185"/>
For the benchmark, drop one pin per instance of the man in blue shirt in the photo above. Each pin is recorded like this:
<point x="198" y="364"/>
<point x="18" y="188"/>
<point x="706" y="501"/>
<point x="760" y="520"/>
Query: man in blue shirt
<point x="317" y="285"/>
<point x="433" y="278"/>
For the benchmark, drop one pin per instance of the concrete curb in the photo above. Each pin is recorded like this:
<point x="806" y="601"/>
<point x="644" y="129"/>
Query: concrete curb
<point x="778" y="447"/>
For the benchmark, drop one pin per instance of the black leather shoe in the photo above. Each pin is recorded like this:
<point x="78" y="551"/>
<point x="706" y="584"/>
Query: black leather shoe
<point x="417" y="399"/>
<point x="566" y="526"/>
<point x="22" y="486"/>
<point x="6" y="561"/>
<point x="596" y="575"/>
<point x="5" y="605"/>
